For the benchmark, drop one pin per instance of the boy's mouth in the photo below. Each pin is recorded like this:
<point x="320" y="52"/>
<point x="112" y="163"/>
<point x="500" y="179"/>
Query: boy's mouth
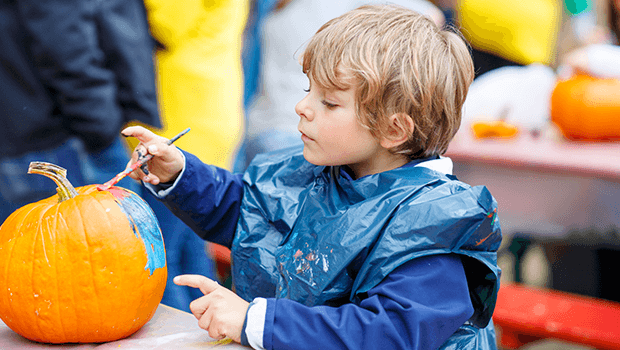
<point x="304" y="137"/>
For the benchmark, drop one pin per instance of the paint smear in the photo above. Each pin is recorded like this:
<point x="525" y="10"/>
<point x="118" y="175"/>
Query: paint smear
<point x="144" y="225"/>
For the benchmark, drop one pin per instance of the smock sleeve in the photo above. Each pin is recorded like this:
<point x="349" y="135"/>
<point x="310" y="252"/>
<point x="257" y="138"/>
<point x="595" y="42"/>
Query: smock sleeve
<point x="419" y="305"/>
<point x="206" y="198"/>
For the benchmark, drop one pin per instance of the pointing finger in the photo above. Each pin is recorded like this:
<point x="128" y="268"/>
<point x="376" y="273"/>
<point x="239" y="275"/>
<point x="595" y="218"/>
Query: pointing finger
<point x="206" y="285"/>
<point x="139" y="132"/>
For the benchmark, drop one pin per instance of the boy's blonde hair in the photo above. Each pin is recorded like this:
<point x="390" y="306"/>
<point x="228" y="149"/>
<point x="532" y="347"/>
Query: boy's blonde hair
<point x="400" y="63"/>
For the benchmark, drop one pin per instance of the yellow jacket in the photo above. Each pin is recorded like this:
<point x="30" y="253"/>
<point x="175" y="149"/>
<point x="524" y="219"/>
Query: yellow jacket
<point x="199" y="74"/>
<point x="523" y="31"/>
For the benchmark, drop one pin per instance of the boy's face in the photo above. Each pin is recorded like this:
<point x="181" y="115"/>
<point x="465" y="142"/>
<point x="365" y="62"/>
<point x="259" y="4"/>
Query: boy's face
<point x="332" y="134"/>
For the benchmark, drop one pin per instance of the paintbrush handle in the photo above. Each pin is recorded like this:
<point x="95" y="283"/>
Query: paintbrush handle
<point x="172" y="140"/>
<point x="140" y="162"/>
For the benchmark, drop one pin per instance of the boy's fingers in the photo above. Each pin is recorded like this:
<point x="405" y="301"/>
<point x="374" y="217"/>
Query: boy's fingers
<point x="198" y="307"/>
<point x="153" y="149"/>
<point x="206" y="285"/>
<point x="139" y="152"/>
<point x="141" y="133"/>
<point x="205" y="319"/>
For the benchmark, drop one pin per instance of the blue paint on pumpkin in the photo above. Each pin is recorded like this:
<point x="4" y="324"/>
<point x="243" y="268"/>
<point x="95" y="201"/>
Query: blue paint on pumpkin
<point x="145" y="227"/>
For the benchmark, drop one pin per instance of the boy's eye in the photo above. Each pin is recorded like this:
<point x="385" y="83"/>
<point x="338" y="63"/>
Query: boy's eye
<point x="307" y="90"/>
<point x="328" y="105"/>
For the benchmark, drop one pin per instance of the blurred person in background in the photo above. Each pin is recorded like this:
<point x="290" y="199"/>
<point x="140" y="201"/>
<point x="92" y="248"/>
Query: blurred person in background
<point x="599" y="58"/>
<point x="272" y="123"/>
<point x="501" y="33"/>
<point x="200" y="81"/>
<point x="252" y="49"/>
<point x="199" y="85"/>
<point x="73" y="74"/>
<point x="251" y="61"/>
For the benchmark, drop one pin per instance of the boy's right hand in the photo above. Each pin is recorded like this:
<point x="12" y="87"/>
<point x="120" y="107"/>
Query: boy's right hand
<point x="220" y="311"/>
<point x="167" y="161"/>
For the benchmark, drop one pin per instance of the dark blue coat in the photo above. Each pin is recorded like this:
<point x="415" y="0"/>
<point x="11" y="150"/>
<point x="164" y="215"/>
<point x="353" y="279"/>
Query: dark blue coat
<point x="73" y="68"/>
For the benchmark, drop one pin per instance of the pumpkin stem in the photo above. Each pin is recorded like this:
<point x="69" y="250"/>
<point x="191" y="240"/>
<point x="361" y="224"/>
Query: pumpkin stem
<point x="59" y="175"/>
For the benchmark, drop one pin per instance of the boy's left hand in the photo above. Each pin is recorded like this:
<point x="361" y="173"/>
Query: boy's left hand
<point x="220" y="311"/>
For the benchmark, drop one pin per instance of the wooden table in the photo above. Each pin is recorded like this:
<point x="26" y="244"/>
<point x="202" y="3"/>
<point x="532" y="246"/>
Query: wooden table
<point x="168" y="329"/>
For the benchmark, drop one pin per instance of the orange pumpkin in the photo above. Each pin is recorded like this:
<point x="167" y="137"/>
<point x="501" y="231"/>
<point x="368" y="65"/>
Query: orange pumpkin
<point x="83" y="266"/>
<point x="587" y="108"/>
<point x="494" y="129"/>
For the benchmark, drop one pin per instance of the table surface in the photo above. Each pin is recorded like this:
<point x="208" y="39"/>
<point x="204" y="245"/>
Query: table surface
<point x="168" y="329"/>
<point x="593" y="159"/>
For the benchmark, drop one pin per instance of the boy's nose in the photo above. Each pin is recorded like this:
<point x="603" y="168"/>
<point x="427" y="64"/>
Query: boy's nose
<point x="302" y="110"/>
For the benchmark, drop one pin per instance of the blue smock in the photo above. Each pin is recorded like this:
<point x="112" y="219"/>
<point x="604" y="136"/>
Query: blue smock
<point x="318" y="243"/>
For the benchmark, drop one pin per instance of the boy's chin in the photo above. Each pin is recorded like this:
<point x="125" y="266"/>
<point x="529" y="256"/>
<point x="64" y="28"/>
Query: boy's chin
<point x="317" y="162"/>
<point x="310" y="158"/>
<point x="307" y="158"/>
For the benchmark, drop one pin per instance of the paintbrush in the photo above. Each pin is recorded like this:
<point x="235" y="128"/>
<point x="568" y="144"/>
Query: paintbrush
<point x="141" y="161"/>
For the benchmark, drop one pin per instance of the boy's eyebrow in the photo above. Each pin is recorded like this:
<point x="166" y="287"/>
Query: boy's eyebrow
<point x="338" y="91"/>
<point x="343" y="77"/>
<point x="338" y="95"/>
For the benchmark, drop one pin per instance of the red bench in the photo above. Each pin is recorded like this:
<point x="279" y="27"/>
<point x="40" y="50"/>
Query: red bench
<point x="524" y="314"/>
<point x="221" y="258"/>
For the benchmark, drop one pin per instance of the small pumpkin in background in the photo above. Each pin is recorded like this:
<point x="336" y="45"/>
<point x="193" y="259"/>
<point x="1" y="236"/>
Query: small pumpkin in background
<point x="587" y="108"/>
<point x="483" y="129"/>
<point x="83" y="266"/>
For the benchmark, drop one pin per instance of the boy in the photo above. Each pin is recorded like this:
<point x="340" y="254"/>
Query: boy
<point x="363" y="240"/>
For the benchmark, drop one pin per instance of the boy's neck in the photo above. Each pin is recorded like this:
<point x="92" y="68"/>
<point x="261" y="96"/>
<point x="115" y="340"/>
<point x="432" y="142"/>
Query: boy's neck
<point x="348" y="172"/>
<point x="379" y="165"/>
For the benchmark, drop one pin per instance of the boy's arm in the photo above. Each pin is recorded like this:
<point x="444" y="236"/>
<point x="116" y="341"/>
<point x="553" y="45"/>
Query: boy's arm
<point x="204" y="197"/>
<point x="417" y="306"/>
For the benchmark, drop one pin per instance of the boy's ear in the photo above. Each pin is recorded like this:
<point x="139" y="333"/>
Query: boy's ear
<point x="400" y="128"/>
